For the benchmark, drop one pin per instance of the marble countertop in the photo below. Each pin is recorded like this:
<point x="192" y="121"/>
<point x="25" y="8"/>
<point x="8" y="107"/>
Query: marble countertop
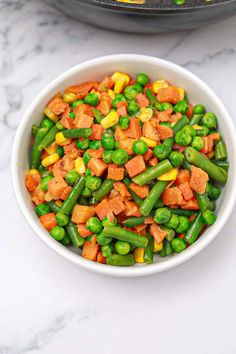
<point x="48" y="305"/>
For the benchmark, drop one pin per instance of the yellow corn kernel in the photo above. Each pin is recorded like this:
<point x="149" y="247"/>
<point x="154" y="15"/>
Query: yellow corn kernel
<point x="139" y="255"/>
<point x="50" y="115"/>
<point x="58" y="203"/>
<point x="111" y="94"/>
<point x="196" y="127"/>
<point x="61" y="140"/>
<point x="169" y="176"/>
<point x="96" y="92"/>
<point x="120" y="76"/>
<point x="119" y="86"/>
<point x="69" y="97"/>
<point x="49" y="160"/>
<point x="157" y="85"/>
<point x="150" y="142"/>
<point x="145" y="114"/>
<point x="80" y="166"/>
<point x="111" y="119"/>
<point x="33" y="171"/>
<point x="51" y="149"/>
<point x="157" y="247"/>
<point x="181" y="93"/>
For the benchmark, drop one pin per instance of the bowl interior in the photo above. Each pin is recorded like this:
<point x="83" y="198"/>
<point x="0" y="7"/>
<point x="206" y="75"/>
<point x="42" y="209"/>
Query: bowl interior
<point x="96" y="69"/>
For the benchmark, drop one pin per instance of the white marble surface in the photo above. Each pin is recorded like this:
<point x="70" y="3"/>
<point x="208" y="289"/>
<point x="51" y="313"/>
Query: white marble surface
<point x="48" y="305"/>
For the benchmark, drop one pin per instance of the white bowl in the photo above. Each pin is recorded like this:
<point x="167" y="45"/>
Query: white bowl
<point x="95" y="69"/>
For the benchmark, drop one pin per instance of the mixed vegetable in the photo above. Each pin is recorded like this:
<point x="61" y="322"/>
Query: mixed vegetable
<point x="126" y="168"/>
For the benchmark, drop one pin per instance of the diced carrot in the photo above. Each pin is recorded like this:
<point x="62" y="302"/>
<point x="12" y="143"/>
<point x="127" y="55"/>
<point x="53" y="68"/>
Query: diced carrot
<point x="38" y="195"/>
<point x="131" y="209"/>
<point x="149" y="131"/>
<point x="127" y="145"/>
<point x="148" y="155"/>
<point x="182" y="177"/>
<point x="174" y="118"/>
<point x="142" y="100"/>
<point x="114" y="193"/>
<point x="66" y="121"/>
<point x="58" y="170"/>
<point x="204" y="150"/>
<point x="192" y="217"/>
<point x="57" y="105"/>
<point x="84" y="108"/>
<point x="96" y="153"/>
<point x="56" y="186"/>
<point x="116" y="173"/>
<point x="90" y="250"/>
<point x="119" y="134"/>
<point x="104" y="107"/>
<point x="164" y="132"/>
<point x="215" y="136"/>
<point x="121" y="111"/>
<point x="153" y="161"/>
<point x="66" y="192"/>
<point x="81" y="90"/>
<point x="148" y="86"/>
<point x="135" y="166"/>
<point x="83" y="121"/>
<point x="169" y="111"/>
<point x="172" y="196"/>
<point x="32" y="181"/>
<point x="97" y="166"/>
<point x="157" y="233"/>
<point x="82" y="213"/>
<point x="210" y="144"/>
<point x="122" y="104"/>
<point x="169" y="94"/>
<point x="191" y="204"/>
<point x="198" y="180"/>
<point x="97" y="132"/>
<point x="186" y="190"/>
<point x="71" y="151"/>
<point x="179" y="148"/>
<point x="48" y="221"/>
<point x="105" y="84"/>
<point x="102" y="209"/>
<point x="163" y="116"/>
<point x="101" y="258"/>
<point x="141" y="232"/>
<point x="83" y="231"/>
<point x="117" y="205"/>
<point x="134" y="130"/>
<point x="44" y="154"/>
<point x="189" y="112"/>
<point x="181" y="236"/>
<point x="122" y="189"/>
<point x="149" y="220"/>
<point x="141" y="191"/>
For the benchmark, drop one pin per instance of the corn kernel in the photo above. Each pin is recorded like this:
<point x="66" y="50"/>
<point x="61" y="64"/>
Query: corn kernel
<point x="117" y="75"/>
<point x="139" y="255"/>
<point x="51" y="149"/>
<point x="145" y="114"/>
<point x="96" y="92"/>
<point x="80" y="166"/>
<point x="157" y="85"/>
<point x="119" y="86"/>
<point x="69" y="97"/>
<point x="33" y="171"/>
<point x="157" y="247"/>
<point x="111" y="94"/>
<point x="58" y="203"/>
<point x="169" y="176"/>
<point x="150" y="142"/>
<point x="61" y="140"/>
<point x="181" y="93"/>
<point x="50" y="115"/>
<point x="49" y="160"/>
<point x="111" y="119"/>
<point x="196" y="127"/>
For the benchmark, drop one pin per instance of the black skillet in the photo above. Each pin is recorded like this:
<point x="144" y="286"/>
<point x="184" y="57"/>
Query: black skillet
<point x="152" y="17"/>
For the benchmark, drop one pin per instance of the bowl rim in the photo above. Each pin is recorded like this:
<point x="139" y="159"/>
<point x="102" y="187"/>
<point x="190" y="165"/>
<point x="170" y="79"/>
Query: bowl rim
<point x="75" y="258"/>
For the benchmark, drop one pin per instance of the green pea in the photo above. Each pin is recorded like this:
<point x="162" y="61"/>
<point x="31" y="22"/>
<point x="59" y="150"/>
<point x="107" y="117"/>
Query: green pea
<point x="199" y="109"/>
<point x="44" y="182"/>
<point x="60" y="151"/>
<point x="184" y="224"/>
<point x="138" y="87"/>
<point x="124" y="122"/>
<point x="93" y="182"/>
<point x="41" y="168"/>
<point x="106" y="156"/>
<point x="130" y="93"/>
<point x="197" y="143"/>
<point x="188" y="129"/>
<point x="213" y="192"/>
<point x="142" y="79"/>
<point x="46" y="123"/>
<point x="72" y="115"/>
<point x="71" y="177"/>
<point x="87" y="193"/>
<point x="82" y="144"/>
<point x="94" y="225"/>
<point x="107" y="250"/>
<point x="209" y="120"/>
<point x="133" y="107"/>
<point x="92" y="99"/>
<point x="209" y="217"/>
<point x="76" y="103"/>
<point x="162" y="215"/>
<point x="176" y="158"/>
<point x="181" y="107"/>
<point x="106" y="221"/>
<point x="57" y="233"/>
<point x="42" y="209"/>
<point x="204" y="131"/>
<point x="119" y="157"/>
<point x="178" y="244"/>
<point x="122" y="247"/>
<point x="166" y="105"/>
<point x="103" y="240"/>
<point x="94" y="144"/>
<point x="140" y="147"/>
<point x="182" y="138"/>
<point x="62" y="219"/>
<point x="173" y="223"/>
<point x="161" y="151"/>
<point x="108" y="142"/>
<point x="118" y="98"/>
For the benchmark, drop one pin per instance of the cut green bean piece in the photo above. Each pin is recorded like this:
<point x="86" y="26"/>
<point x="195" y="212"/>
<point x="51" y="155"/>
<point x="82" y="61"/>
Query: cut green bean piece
<point x="77" y="133"/>
<point x="180" y="124"/>
<point x="105" y="188"/>
<point x="119" y="260"/>
<point x="124" y="235"/>
<point x="220" y="151"/>
<point x="149" y="250"/>
<point x="153" y="172"/>
<point x="49" y="138"/>
<point x="54" y="207"/>
<point x="135" y="197"/>
<point x="72" y="231"/>
<point x="222" y="164"/>
<point x="194" y="229"/>
<point x="134" y="221"/>
<point x="196" y="119"/>
<point x="182" y="212"/>
<point x="98" y="115"/>
<point x="34" y="129"/>
<point x="167" y="248"/>
<point x="71" y="200"/>
<point x="203" y="201"/>
<point x="151" y="97"/>
<point x="170" y="233"/>
<point x="152" y="198"/>
<point x="36" y="154"/>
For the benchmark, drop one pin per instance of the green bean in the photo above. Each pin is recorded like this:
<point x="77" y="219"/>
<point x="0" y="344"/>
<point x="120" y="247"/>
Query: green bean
<point x="77" y="133"/>
<point x="211" y="205"/>
<point x="152" y="198"/>
<point x="169" y="142"/>
<point x="70" y="201"/>
<point x="54" y="207"/>
<point x="203" y="201"/>
<point x="222" y="164"/>
<point x="170" y="233"/>
<point x="34" y="129"/>
<point x="215" y="172"/>
<point x="134" y="221"/>
<point x="72" y="231"/>
<point x="151" y="97"/>
<point x="220" y="151"/>
<point x="98" y="115"/>
<point x="153" y="172"/>
<point x="148" y="252"/>
<point x="119" y="260"/>
<point x="186" y="165"/>
<point x="124" y="235"/>
<point x="182" y="212"/>
<point x="167" y="248"/>
<point x="135" y="197"/>
<point x="36" y="154"/>
<point x="158" y="203"/>
<point x="83" y="200"/>
<point x="196" y="119"/>
<point x="104" y="189"/>
<point x="180" y="124"/>
<point x="49" y="138"/>
<point x="194" y="229"/>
